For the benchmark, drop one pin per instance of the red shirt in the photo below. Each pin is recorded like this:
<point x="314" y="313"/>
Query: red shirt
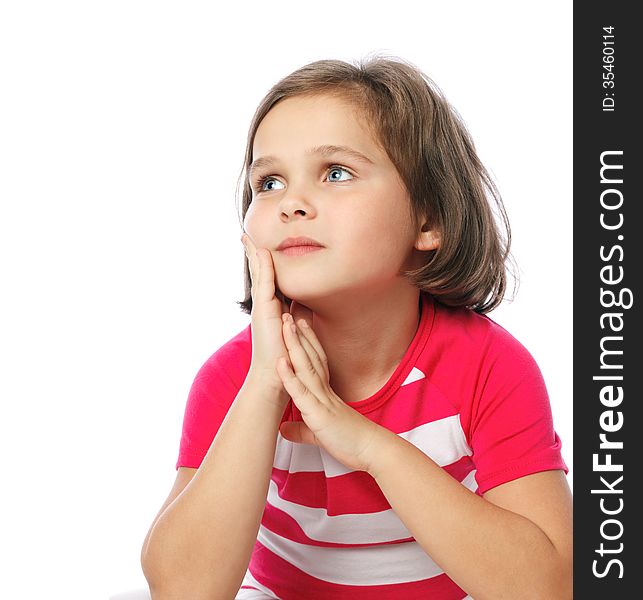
<point x="466" y="393"/>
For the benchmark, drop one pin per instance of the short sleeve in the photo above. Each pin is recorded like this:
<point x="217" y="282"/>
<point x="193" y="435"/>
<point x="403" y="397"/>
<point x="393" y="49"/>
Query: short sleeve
<point x="512" y="431"/>
<point x="213" y="391"/>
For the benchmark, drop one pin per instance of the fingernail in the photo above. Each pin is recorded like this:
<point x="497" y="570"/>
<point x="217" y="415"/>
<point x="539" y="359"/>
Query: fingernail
<point x="303" y="323"/>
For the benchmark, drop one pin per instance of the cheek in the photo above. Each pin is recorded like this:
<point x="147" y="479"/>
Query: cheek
<point x="250" y="216"/>
<point x="385" y="234"/>
<point x="383" y="249"/>
<point x="254" y="224"/>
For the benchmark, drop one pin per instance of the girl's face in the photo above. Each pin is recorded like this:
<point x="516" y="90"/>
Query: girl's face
<point x="356" y="207"/>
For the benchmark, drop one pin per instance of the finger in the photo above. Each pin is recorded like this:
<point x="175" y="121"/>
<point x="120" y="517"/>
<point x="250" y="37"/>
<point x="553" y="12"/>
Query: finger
<point x="318" y="356"/>
<point x="254" y="261"/>
<point x="297" y="432"/>
<point x="303" y="365"/>
<point x="266" y="276"/>
<point x="301" y="396"/>
<point x="320" y="368"/>
<point x="261" y="271"/>
<point x="303" y="316"/>
<point x="307" y="346"/>
<point x="250" y="250"/>
<point x="282" y="299"/>
<point x="301" y="311"/>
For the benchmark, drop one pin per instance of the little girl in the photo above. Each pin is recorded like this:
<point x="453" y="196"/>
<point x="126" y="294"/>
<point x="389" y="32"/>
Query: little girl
<point x="372" y="433"/>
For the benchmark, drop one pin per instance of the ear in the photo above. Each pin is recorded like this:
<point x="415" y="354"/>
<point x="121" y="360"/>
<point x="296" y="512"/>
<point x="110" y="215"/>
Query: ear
<point x="429" y="239"/>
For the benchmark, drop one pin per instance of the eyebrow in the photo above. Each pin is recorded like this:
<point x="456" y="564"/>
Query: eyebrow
<point x="323" y="150"/>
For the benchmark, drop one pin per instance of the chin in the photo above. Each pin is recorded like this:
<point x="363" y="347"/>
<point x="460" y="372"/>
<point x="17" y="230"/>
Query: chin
<point x="317" y="289"/>
<point x="308" y="295"/>
<point x="300" y="288"/>
<point x="301" y="296"/>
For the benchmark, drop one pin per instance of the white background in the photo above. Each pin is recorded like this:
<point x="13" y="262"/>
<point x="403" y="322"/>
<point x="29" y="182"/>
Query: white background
<point x="122" y="131"/>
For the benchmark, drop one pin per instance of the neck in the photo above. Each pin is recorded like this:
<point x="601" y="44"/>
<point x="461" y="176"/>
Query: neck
<point x="365" y="338"/>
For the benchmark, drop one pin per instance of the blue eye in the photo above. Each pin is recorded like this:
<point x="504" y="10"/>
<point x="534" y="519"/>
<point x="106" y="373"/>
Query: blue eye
<point x="268" y="179"/>
<point x="263" y="180"/>
<point x="337" y="168"/>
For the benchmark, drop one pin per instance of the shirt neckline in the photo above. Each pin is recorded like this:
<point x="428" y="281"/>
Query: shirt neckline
<point x="407" y="363"/>
<point x="409" y="360"/>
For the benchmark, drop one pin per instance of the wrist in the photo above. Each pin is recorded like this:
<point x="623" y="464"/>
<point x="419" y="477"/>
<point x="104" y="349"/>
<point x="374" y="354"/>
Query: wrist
<point x="382" y="455"/>
<point x="267" y="386"/>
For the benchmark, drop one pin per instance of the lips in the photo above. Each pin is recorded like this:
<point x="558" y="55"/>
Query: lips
<point x="297" y="242"/>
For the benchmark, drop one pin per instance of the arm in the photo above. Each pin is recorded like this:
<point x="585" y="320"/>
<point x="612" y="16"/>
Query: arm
<point x="201" y="544"/>
<point x="515" y="542"/>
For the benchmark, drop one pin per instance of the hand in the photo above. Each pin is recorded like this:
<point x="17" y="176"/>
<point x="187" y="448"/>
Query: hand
<point x="328" y="421"/>
<point x="267" y="309"/>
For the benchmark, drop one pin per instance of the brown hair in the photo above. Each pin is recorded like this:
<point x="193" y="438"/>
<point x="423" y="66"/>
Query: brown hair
<point x="427" y="141"/>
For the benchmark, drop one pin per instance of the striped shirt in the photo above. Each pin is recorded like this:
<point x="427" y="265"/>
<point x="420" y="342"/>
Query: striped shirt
<point x="466" y="393"/>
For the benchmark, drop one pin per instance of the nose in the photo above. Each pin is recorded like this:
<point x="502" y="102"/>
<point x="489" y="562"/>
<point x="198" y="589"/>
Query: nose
<point x="295" y="205"/>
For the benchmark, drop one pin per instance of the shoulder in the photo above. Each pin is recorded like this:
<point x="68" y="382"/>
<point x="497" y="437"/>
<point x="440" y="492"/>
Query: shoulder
<point x="213" y="391"/>
<point x="230" y="360"/>
<point x="498" y="378"/>
<point x="476" y="363"/>
<point x="478" y="337"/>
